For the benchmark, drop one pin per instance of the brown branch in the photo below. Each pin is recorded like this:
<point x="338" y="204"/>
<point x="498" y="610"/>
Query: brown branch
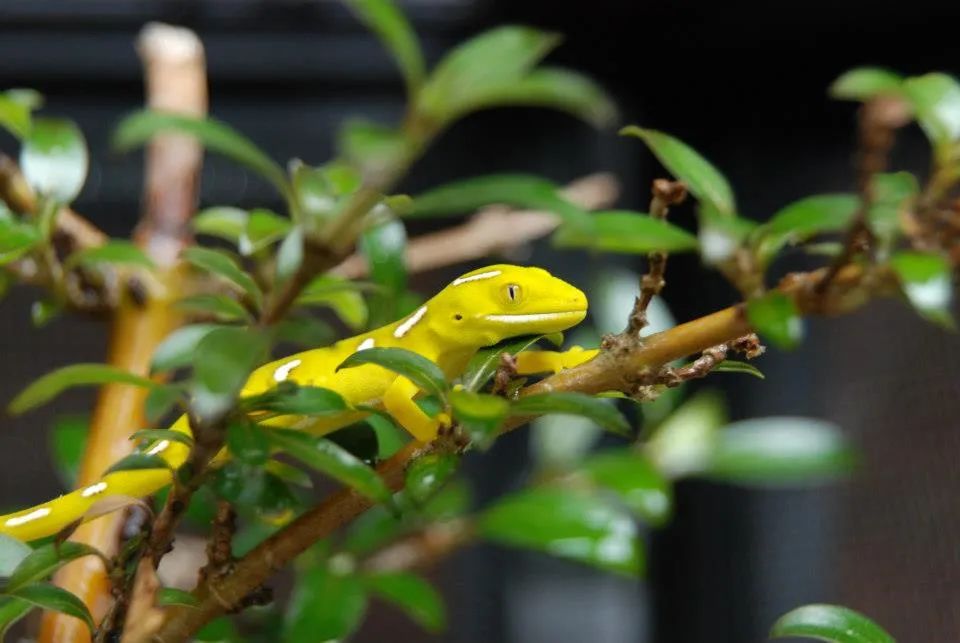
<point x="421" y="549"/>
<point x="176" y="81"/>
<point x="483" y="235"/>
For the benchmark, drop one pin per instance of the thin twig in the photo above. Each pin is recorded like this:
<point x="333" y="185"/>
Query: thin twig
<point x="421" y="549"/>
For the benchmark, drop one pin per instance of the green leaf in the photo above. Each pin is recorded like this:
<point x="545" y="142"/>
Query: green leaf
<point x="626" y="232"/>
<point x="721" y="234"/>
<point x="264" y="228"/>
<point x="599" y="410"/>
<point x="30" y="98"/>
<point x="45" y="311"/>
<point x="390" y="437"/>
<point x="290" y="399"/>
<point x="54" y="599"/>
<point x="177" y="349"/>
<point x="831" y="623"/>
<point x="892" y="193"/>
<point x="16" y="239"/>
<point x="479" y="414"/>
<point x="780" y="450"/>
<point x="775" y="317"/>
<point x="12" y="553"/>
<point x="290" y="255"/>
<point x="11" y="611"/>
<point x="926" y="281"/>
<point x="220" y="630"/>
<point x="332" y="460"/>
<point x="221" y="307"/>
<point x="517" y="190"/>
<point x="289" y="474"/>
<point x="137" y="128"/>
<point x="415" y="596"/>
<point x="14" y="116"/>
<point x="173" y="596"/>
<point x="114" y="251"/>
<point x="384" y="247"/>
<point x="52" y="384"/>
<point x="415" y="367"/>
<point x="155" y="435"/>
<point x="486" y="361"/>
<point x="803" y="219"/>
<point x="54" y="159"/>
<point x="248" y="442"/>
<point x="565" y="523"/>
<point x="635" y="480"/>
<point x="702" y="179"/>
<point x="223" y="265"/>
<point x="556" y="88"/>
<point x="559" y="442"/>
<point x="733" y="366"/>
<point x="683" y="443"/>
<point x="486" y="65"/>
<point x="138" y="462"/>
<point x="385" y="19"/>
<point x="304" y="331"/>
<point x="864" y="83"/>
<point x="44" y="560"/>
<point x="325" y="606"/>
<point x="936" y="104"/>
<point x="223" y="222"/>
<point x="339" y="294"/>
<point x="428" y="473"/>
<point x="68" y="440"/>
<point x="222" y="362"/>
<point x="375" y="148"/>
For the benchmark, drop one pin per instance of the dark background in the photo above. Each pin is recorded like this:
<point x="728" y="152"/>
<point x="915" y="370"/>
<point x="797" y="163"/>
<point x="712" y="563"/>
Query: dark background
<point x="745" y="84"/>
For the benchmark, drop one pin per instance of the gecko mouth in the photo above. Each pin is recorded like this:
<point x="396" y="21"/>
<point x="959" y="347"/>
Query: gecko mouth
<point x="535" y="317"/>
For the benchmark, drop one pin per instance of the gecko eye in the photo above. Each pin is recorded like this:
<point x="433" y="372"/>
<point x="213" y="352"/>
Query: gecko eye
<point x="458" y="317"/>
<point x="512" y="292"/>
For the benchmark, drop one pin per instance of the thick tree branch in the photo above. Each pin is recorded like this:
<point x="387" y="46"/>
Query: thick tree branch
<point x="176" y="81"/>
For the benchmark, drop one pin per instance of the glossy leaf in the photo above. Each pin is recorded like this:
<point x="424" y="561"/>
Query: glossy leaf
<point x="52" y="384"/>
<point x="173" y="596"/>
<point x="223" y="265"/>
<point x="384" y="247"/>
<point x="415" y="596"/>
<point x="68" y="440"/>
<point x="16" y="238"/>
<point x="733" y="366"/>
<point x="635" y="480"/>
<point x="342" y="296"/>
<point x="479" y="414"/>
<point x="892" y="193"/>
<point x="626" y="232"/>
<point x="385" y="19"/>
<point x="565" y="523"/>
<point x="44" y="311"/>
<point x="390" y="437"/>
<point x="374" y="148"/>
<point x="556" y="88"/>
<point x="415" y="367"/>
<point x="683" y="443"/>
<point x="138" y="462"/>
<point x="601" y="411"/>
<point x="248" y="442"/>
<point x="221" y="307"/>
<point x="14" y="116"/>
<point x="54" y="159"/>
<point x="702" y="179"/>
<point x="11" y="611"/>
<point x="486" y="361"/>
<point x="44" y="561"/>
<point x="114" y="251"/>
<point x="55" y="599"/>
<point x="831" y="623"/>
<point x="325" y="606"/>
<point x="139" y="127"/>
<point x="263" y="228"/>
<point x="177" y="349"/>
<point x="223" y="222"/>
<point x="721" y="235"/>
<point x="290" y="255"/>
<point x="780" y="450"/>
<point x="559" y="442"/>
<point x="332" y="460"/>
<point x="805" y="218"/>
<point x="12" y="553"/>
<point x="153" y="435"/>
<point x="427" y="474"/>
<point x="926" y="281"/>
<point x="864" y="83"/>
<point x="482" y="67"/>
<point x="304" y="331"/>
<point x="517" y="190"/>
<point x="775" y="317"/>
<point x="222" y="363"/>
<point x="290" y="399"/>
<point x="936" y="104"/>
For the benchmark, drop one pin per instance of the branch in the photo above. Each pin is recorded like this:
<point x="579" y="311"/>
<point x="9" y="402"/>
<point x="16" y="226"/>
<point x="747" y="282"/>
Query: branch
<point x="482" y="234"/>
<point x="176" y="81"/>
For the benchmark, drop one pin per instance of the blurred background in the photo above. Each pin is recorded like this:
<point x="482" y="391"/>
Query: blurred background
<point x="745" y="83"/>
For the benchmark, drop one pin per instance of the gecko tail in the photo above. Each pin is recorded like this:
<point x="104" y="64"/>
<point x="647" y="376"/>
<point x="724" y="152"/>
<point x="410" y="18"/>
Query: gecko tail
<point x="51" y="517"/>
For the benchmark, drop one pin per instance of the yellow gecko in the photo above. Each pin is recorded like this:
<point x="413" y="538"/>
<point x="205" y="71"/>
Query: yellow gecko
<point x="478" y="309"/>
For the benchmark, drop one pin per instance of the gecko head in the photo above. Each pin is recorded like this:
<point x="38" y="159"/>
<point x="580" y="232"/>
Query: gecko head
<point x="494" y="303"/>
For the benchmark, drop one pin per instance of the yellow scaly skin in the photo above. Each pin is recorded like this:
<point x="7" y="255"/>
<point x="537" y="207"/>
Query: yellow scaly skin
<point x="478" y="309"/>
